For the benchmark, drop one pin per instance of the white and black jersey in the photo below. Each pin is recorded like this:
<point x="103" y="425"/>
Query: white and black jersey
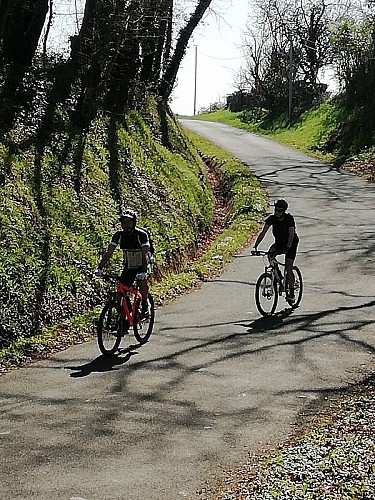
<point x="131" y="245"/>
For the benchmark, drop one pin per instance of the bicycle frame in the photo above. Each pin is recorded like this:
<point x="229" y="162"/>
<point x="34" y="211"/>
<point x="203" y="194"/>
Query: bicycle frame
<point x="124" y="310"/>
<point x="124" y="292"/>
<point x="277" y="276"/>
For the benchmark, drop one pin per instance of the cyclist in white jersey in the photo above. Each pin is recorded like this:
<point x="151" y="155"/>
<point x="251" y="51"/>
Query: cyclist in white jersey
<point x="135" y="245"/>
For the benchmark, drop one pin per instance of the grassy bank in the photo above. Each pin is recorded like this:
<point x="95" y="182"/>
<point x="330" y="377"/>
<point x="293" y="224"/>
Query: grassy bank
<point x="329" y="132"/>
<point x="60" y="206"/>
<point x="180" y="205"/>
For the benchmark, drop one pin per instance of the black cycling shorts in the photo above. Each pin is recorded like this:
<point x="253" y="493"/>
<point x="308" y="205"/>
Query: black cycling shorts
<point x="128" y="276"/>
<point x="291" y="253"/>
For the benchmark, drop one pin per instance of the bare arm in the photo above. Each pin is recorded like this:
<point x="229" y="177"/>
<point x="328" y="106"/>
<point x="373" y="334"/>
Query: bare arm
<point x="261" y="235"/>
<point x="290" y="237"/>
<point x="145" y="252"/>
<point x="106" y="256"/>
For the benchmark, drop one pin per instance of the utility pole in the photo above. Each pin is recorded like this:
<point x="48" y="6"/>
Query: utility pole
<point x="195" y="79"/>
<point x="290" y="100"/>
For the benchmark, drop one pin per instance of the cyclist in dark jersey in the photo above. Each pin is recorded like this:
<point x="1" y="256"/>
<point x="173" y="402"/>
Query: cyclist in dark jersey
<point x="286" y="239"/>
<point x="134" y="243"/>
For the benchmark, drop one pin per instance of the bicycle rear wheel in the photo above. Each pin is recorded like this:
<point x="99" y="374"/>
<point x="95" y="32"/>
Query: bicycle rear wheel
<point x="110" y="328"/>
<point x="266" y="294"/>
<point x="143" y="325"/>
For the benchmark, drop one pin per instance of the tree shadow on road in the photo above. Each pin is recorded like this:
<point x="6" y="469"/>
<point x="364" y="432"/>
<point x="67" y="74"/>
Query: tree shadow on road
<point x="104" y="363"/>
<point x="266" y="323"/>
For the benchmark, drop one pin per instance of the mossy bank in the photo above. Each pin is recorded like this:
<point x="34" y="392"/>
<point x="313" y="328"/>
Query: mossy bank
<point x="57" y="215"/>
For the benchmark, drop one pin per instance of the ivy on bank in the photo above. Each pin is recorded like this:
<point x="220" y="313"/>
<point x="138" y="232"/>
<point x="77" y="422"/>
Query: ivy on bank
<point x="47" y="268"/>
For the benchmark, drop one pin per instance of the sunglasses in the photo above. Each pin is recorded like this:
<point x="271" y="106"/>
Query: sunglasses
<point x="279" y="210"/>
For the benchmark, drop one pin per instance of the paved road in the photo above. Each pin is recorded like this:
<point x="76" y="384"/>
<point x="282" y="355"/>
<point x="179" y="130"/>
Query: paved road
<point x="215" y="382"/>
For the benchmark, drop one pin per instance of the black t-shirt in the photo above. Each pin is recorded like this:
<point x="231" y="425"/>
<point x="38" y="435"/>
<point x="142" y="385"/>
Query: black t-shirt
<point x="280" y="229"/>
<point x="131" y="245"/>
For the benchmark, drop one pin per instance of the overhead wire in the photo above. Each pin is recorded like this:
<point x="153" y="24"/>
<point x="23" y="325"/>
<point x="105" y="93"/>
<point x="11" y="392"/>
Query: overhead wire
<point x="221" y="58"/>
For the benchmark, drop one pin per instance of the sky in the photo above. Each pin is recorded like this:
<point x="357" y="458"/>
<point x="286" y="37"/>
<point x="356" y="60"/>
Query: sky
<point x="215" y="46"/>
<point x="219" y="57"/>
<point x="218" y="40"/>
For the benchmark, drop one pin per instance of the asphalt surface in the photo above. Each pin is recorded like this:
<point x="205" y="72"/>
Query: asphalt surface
<point x="215" y="381"/>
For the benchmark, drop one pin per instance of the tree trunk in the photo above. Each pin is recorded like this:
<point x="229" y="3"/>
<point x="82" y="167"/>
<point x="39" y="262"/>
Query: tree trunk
<point x="155" y="39"/>
<point x="169" y="77"/>
<point x="21" y="25"/>
<point x="123" y="70"/>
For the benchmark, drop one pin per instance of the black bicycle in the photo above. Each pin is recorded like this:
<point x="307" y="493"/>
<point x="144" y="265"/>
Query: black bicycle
<point x="272" y="283"/>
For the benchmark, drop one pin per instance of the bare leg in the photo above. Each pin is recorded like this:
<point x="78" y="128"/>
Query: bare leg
<point x="143" y="288"/>
<point x="289" y="274"/>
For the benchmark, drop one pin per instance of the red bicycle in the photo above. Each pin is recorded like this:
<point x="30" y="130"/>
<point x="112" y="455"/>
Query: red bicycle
<point x="122" y="312"/>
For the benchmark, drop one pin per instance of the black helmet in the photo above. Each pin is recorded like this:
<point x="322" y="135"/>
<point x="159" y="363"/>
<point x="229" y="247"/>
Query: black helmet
<point x="128" y="213"/>
<point x="281" y="204"/>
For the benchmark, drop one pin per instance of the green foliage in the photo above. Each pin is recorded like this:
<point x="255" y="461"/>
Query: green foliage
<point x="229" y="118"/>
<point x="331" y="131"/>
<point x="245" y="190"/>
<point x="169" y="190"/>
<point x="354" y="131"/>
<point x="310" y="131"/>
<point x="63" y="240"/>
<point x="255" y="116"/>
<point x="51" y="237"/>
<point x="56" y="219"/>
<point x="352" y="46"/>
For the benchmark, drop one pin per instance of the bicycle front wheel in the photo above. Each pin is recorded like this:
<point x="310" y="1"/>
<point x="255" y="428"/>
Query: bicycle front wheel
<point x="143" y="324"/>
<point x="298" y="286"/>
<point x="110" y="328"/>
<point x="266" y="294"/>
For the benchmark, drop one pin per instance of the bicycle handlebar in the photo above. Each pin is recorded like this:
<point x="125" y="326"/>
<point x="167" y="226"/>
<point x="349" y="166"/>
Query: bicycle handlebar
<point x="109" y="276"/>
<point x="117" y="277"/>
<point x="258" y="252"/>
<point x="263" y="253"/>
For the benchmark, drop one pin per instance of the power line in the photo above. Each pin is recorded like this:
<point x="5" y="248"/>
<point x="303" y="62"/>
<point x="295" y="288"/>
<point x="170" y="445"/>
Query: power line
<point x="221" y="58"/>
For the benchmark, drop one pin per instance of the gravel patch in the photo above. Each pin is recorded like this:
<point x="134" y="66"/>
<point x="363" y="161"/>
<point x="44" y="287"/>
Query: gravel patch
<point x="334" y="459"/>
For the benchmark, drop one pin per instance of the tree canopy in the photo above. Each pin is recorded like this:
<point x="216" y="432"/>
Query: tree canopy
<point x="287" y="44"/>
<point x="120" y="50"/>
